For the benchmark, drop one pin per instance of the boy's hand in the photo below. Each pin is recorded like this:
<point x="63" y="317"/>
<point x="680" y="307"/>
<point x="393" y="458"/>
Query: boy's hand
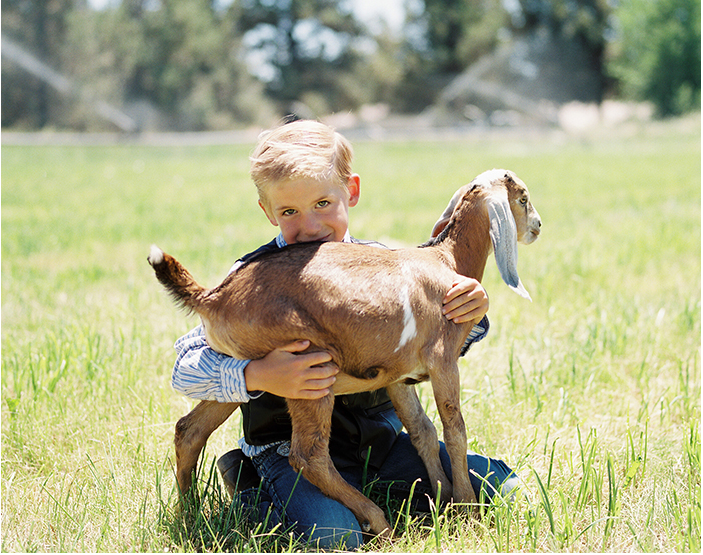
<point x="466" y="301"/>
<point x="285" y="373"/>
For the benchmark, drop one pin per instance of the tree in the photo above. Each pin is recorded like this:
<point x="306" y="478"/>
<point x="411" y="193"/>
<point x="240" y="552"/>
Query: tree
<point x="40" y="27"/>
<point x="179" y="60"/>
<point x="303" y="50"/>
<point x="172" y="62"/>
<point x="657" y="53"/>
<point x="442" y="38"/>
<point x="458" y="32"/>
<point x="584" y="22"/>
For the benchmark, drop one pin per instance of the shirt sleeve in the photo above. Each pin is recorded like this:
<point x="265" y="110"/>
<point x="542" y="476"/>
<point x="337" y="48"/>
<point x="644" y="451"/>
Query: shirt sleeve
<point x="477" y="333"/>
<point x="202" y="373"/>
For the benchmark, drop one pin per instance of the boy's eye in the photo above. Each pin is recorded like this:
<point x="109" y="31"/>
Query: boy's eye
<point x="323" y="203"/>
<point x="288" y="212"/>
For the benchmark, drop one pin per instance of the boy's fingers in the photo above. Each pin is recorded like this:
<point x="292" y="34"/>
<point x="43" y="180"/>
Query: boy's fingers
<point x="322" y="383"/>
<point x="313" y="394"/>
<point x="316" y="388"/>
<point x="317" y="359"/>
<point x="312" y="359"/>
<point x="452" y="305"/>
<point x="464" y="318"/>
<point x="317" y="377"/>
<point x="461" y="304"/>
<point x="453" y="293"/>
<point x="296" y="347"/>
<point x="465" y="312"/>
<point x="458" y="295"/>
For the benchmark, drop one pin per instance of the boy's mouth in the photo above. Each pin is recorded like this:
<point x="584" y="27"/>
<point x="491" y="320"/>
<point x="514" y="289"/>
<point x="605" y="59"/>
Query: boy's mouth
<point x="323" y="239"/>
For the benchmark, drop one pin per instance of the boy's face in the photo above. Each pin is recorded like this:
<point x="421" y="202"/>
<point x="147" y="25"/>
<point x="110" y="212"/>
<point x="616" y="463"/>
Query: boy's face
<point x="310" y="210"/>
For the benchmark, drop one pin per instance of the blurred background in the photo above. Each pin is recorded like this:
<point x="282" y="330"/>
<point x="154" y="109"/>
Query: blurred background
<point x="215" y="65"/>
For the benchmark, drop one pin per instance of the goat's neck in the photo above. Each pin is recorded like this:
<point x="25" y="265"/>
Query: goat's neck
<point x="467" y="244"/>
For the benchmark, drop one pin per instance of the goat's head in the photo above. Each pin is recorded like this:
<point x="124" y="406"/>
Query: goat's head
<point x="527" y="221"/>
<point x="512" y="217"/>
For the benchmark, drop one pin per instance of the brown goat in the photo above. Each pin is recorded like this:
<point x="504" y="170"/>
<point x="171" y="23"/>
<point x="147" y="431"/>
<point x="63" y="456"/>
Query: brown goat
<point x="378" y="313"/>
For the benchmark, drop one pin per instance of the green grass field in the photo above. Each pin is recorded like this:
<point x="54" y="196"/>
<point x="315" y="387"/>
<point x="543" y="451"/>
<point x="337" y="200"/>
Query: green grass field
<point x="591" y="392"/>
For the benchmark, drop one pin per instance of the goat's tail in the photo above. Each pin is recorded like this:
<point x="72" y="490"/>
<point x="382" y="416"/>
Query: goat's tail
<point x="177" y="280"/>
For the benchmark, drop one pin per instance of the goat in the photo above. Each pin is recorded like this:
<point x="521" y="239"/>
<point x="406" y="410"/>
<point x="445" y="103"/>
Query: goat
<point x="378" y="313"/>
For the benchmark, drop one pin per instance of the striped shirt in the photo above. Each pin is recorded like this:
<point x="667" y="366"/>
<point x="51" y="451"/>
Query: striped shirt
<point x="202" y="373"/>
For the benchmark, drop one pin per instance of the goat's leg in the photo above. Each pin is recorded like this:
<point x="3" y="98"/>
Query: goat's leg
<point x="192" y="432"/>
<point x="309" y="452"/>
<point x="446" y="387"/>
<point x="422" y="433"/>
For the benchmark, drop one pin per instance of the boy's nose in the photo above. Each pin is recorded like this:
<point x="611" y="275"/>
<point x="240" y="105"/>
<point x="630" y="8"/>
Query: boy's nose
<point x="311" y="226"/>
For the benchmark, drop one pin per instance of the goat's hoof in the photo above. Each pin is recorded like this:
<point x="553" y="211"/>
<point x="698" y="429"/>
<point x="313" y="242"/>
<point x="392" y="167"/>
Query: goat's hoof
<point x="381" y="530"/>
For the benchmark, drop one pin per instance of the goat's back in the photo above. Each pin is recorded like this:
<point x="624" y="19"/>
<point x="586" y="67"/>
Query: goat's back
<point x="360" y="303"/>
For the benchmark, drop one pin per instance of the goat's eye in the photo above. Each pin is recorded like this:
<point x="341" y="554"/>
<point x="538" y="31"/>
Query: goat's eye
<point x="523" y="201"/>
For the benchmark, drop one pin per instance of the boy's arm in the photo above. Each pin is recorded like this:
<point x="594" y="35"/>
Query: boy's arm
<point x="202" y="373"/>
<point x="287" y="373"/>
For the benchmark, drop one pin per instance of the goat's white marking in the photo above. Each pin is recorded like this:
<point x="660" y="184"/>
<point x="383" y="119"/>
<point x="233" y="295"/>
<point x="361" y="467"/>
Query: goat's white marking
<point x="409" y="325"/>
<point x="156" y="255"/>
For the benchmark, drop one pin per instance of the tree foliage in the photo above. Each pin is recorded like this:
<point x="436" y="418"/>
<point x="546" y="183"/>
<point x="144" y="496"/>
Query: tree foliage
<point x="304" y="49"/>
<point x="170" y="64"/>
<point x="442" y="38"/>
<point x="215" y="64"/>
<point x="41" y="26"/>
<point x="457" y="32"/>
<point x="182" y="58"/>
<point x="585" y="23"/>
<point x="657" y="54"/>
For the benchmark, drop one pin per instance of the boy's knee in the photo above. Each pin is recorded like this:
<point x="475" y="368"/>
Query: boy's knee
<point x="330" y="525"/>
<point x="510" y="488"/>
<point x="496" y="488"/>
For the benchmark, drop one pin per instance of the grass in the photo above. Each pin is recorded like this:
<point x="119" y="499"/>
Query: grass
<point x="591" y="392"/>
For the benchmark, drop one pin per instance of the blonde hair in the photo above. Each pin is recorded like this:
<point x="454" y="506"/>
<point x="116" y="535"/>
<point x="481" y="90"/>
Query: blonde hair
<point x="301" y="149"/>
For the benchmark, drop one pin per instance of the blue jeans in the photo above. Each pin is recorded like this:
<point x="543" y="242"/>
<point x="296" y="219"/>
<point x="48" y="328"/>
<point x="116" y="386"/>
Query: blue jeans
<point x="290" y="499"/>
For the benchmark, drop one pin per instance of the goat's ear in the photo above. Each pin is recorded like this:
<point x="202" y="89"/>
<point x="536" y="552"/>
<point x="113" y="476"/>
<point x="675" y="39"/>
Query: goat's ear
<point x="503" y="234"/>
<point x="447" y="214"/>
<point x="439" y="227"/>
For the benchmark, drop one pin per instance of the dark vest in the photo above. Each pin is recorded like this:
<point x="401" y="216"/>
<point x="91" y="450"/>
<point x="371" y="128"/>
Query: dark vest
<point x="360" y="421"/>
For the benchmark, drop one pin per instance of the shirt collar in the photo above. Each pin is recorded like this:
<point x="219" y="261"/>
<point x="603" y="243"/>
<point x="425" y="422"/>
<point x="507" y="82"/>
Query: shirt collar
<point x="281" y="242"/>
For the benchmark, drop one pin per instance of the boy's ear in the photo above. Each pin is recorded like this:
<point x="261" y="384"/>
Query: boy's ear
<point x="269" y="216"/>
<point x="353" y="186"/>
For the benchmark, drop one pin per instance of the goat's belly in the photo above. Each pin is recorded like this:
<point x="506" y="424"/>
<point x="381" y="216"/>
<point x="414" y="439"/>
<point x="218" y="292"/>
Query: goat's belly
<point x="416" y="376"/>
<point x="346" y="383"/>
<point x="375" y="377"/>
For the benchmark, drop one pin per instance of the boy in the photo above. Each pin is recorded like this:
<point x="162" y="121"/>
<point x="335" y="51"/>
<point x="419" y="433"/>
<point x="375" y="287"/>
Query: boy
<point x="302" y="171"/>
